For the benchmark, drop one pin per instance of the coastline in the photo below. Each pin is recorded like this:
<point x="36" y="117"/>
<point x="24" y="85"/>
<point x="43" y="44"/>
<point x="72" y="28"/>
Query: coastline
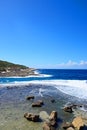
<point x="13" y="103"/>
<point x="13" y="110"/>
<point x="18" y="73"/>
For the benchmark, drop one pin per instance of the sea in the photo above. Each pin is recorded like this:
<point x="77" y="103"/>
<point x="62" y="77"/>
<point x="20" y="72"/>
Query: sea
<point x="64" y="86"/>
<point x="70" y="81"/>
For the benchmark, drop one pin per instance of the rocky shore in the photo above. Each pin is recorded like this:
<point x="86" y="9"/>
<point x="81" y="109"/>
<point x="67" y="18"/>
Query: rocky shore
<point x="8" y="69"/>
<point x="51" y="122"/>
<point x="22" y="108"/>
<point x="17" y="72"/>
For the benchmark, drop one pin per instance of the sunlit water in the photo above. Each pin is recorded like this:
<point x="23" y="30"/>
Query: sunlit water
<point x="47" y="86"/>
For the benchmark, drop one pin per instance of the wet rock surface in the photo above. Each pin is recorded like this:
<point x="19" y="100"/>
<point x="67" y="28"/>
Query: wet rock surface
<point x="78" y="123"/>
<point x="38" y="103"/>
<point x="31" y="117"/>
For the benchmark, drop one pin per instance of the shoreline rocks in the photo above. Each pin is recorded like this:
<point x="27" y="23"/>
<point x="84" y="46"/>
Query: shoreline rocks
<point x="31" y="117"/>
<point x="39" y="103"/>
<point x="78" y="123"/>
<point x="50" y="122"/>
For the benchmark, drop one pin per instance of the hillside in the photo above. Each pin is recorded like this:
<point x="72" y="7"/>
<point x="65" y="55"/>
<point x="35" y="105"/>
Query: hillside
<point x="8" y="69"/>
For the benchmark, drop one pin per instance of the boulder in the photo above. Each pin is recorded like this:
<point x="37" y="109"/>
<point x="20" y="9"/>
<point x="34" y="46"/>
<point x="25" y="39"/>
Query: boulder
<point x="52" y="122"/>
<point x="78" y="123"/>
<point x="53" y="116"/>
<point x="31" y="117"/>
<point x="30" y="97"/>
<point x="68" y="109"/>
<point x="36" y="104"/>
<point x="39" y="103"/>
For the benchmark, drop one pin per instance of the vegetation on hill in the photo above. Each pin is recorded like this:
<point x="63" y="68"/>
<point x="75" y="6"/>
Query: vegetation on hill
<point x="4" y="66"/>
<point x="8" y="69"/>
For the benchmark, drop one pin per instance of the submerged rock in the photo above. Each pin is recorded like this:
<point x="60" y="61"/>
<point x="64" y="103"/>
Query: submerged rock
<point x="30" y="97"/>
<point x="39" y="103"/>
<point x="53" y="100"/>
<point x="44" y="116"/>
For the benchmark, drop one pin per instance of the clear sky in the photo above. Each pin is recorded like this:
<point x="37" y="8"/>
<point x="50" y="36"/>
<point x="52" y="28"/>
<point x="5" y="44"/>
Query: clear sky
<point x="44" y="33"/>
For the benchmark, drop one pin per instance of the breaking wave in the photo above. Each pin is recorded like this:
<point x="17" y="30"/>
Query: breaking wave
<point x="77" y="88"/>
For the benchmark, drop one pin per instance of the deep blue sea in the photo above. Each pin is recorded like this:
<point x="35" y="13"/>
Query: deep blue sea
<point x="50" y="74"/>
<point x="72" y="82"/>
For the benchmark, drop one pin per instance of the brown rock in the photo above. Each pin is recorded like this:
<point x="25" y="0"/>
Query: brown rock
<point x="53" y="116"/>
<point x="39" y="103"/>
<point x="31" y="117"/>
<point x="36" y="104"/>
<point x="68" y="109"/>
<point x="30" y="97"/>
<point x="52" y="122"/>
<point x="78" y="123"/>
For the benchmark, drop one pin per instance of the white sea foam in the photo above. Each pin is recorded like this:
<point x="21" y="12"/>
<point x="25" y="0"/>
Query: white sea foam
<point x="77" y="88"/>
<point x="40" y="75"/>
<point x="41" y="91"/>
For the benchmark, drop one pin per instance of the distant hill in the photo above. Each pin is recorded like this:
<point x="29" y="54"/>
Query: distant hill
<point x="4" y="65"/>
<point x="10" y="69"/>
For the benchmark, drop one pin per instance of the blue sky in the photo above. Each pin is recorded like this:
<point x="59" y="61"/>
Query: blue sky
<point x="44" y="33"/>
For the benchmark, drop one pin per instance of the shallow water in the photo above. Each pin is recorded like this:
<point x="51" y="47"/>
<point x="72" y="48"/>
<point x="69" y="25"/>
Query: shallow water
<point x="13" y="105"/>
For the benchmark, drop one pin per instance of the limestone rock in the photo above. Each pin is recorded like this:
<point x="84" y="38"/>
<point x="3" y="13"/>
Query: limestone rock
<point x="53" y="116"/>
<point x="78" y="123"/>
<point x="39" y="103"/>
<point x="31" y="117"/>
